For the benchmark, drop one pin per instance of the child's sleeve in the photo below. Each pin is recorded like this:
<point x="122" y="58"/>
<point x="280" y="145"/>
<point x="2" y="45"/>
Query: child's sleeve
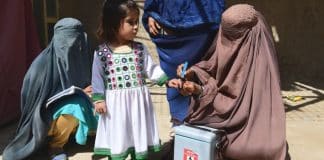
<point x="97" y="81"/>
<point x="153" y="71"/>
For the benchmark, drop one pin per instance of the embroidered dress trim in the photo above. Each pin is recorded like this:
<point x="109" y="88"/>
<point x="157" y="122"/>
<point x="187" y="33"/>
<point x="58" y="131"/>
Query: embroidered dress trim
<point x="122" y="70"/>
<point x="122" y="156"/>
<point x="162" y="80"/>
<point x="97" y="97"/>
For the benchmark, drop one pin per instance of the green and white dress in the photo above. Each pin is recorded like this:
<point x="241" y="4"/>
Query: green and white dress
<point x="130" y="124"/>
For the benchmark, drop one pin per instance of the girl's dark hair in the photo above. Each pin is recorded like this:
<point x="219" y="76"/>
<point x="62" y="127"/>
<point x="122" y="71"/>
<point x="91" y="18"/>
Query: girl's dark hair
<point x="113" y="12"/>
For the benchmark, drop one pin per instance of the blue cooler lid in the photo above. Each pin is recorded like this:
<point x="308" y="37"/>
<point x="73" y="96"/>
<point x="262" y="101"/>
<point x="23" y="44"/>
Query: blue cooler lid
<point x="201" y="133"/>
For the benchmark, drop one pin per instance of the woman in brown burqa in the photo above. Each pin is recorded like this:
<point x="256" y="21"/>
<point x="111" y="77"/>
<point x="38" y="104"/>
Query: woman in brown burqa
<point x="237" y="88"/>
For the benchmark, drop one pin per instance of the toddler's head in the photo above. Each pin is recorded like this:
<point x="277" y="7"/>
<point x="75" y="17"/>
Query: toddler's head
<point x="119" y="21"/>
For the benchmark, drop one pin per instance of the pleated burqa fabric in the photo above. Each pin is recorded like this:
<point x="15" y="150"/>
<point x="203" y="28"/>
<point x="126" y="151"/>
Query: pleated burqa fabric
<point x="65" y="62"/>
<point x="242" y="92"/>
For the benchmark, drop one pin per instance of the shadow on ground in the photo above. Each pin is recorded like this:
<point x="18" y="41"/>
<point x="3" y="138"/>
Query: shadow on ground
<point x="72" y="148"/>
<point x="314" y="96"/>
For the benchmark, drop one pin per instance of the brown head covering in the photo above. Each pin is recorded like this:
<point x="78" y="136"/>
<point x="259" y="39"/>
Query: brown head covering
<point x="242" y="88"/>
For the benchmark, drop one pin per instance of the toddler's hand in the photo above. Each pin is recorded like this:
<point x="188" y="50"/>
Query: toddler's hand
<point x="175" y="83"/>
<point x="100" y="107"/>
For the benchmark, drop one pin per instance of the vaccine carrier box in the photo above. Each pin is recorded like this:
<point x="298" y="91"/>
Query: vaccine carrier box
<point x="196" y="142"/>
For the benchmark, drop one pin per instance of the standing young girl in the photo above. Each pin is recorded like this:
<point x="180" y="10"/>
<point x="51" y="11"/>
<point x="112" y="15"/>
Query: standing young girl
<point x="127" y="123"/>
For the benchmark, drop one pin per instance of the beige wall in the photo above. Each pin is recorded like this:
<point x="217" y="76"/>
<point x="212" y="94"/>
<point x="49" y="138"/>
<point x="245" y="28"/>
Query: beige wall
<point x="87" y="12"/>
<point x="301" y="38"/>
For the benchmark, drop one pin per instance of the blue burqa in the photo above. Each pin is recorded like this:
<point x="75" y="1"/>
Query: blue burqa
<point x="65" y="62"/>
<point x="194" y="24"/>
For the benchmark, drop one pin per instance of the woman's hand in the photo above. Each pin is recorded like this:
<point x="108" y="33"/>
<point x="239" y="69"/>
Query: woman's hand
<point x="189" y="74"/>
<point x="154" y="27"/>
<point x="88" y="90"/>
<point x="100" y="107"/>
<point x="190" y="88"/>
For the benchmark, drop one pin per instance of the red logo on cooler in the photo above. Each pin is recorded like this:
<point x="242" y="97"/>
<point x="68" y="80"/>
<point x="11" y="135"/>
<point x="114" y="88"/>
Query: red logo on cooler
<point x="189" y="155"/>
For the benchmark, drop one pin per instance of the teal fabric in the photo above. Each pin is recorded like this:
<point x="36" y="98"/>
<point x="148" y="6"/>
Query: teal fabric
<point x="81" y="110"/>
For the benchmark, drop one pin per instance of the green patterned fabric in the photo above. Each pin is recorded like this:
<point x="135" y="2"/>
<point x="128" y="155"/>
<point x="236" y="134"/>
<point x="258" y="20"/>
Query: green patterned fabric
<point x="162" y="80"/>
<point x="97" y="97"/>
<point x="122" y="156"/>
